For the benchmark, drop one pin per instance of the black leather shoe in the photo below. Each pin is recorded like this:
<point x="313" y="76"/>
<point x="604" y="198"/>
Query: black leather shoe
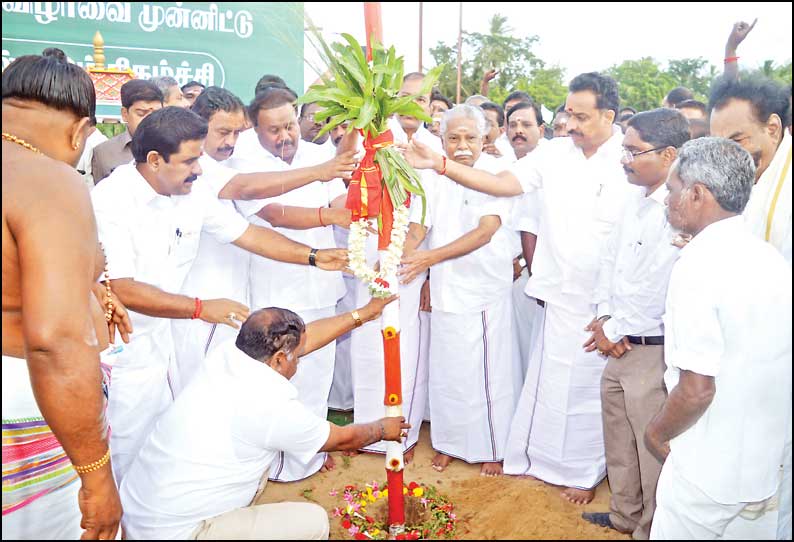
<point x="599" y="518"/>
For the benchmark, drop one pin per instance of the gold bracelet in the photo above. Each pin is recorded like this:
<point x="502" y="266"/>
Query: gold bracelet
<point x="96" y="465"/>
<point x="357" y="319"/>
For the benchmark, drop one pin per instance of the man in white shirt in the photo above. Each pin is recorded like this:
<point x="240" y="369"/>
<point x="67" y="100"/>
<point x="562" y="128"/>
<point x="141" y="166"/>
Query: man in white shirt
<point x="198" y="475"/>
<point x="471" y="385"/>
<point x="495" y="143"/>
<point x="84" y="165"/>
<point x="755" y="114"/>
<point x="221" y="269"/>
<point x="525" y="133"/>
<point x="630" y="293"/>
<point x="722" y="429"/>
<point x="557" y="434"/>
<point x="310" y="129"/>
<point x="150" y="217"/>
<point x="276" y="145"/>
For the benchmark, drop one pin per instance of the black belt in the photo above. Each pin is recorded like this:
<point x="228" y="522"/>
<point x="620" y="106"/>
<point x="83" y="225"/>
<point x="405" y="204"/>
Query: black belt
<point x="650" y="341"/>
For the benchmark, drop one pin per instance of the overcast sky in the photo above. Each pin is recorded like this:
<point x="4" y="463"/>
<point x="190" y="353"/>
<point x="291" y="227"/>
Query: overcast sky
<point x="578" y="36"/>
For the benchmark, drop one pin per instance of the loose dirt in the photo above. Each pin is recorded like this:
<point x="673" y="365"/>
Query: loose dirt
<point x="489" y="508"/>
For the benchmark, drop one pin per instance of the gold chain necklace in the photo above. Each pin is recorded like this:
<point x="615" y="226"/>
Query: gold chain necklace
<point x="20" y="141"/>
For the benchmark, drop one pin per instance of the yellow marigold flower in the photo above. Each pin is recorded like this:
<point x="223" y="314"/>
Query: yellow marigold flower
<point x="384" y="493"/>
<point x="375" y="532"/>
<point x="405" y="490"/>
<point x="371" y="497"/>
<point x="418" y="492"/>
<point x="363" y="503"/>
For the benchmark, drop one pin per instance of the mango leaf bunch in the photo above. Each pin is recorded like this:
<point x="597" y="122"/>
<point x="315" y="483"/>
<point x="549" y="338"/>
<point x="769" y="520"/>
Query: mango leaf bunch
<point x="365" y="94"/>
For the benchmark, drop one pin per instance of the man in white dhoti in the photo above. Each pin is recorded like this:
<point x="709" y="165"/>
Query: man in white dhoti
<point x="755" y="115"/>
<point x="525" y="128"/>
<point x="632" y="285"/>
<point x="150" y="217"/>
<point x="275" y="145"/>
<point x="723" y="428"/>
<point x="205" y="465"/>
<point x="221" y="269"/>
<point x="366" y="342"/>
<point x="471" y="338"/>
<point x="556" y="434"/>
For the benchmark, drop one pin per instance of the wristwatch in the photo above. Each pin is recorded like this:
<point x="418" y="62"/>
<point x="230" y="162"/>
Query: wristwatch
<point x="356" y="319"/>
<point x="522" y="262"/>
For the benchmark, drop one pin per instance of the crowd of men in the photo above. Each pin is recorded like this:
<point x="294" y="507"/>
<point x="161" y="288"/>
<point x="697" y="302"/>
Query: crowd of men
<point x="606" y="294"/>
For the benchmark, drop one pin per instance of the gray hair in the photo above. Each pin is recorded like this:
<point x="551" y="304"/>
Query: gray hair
<point x="164" y="83"/>
<point x="474" y="97"/>
<point x="722" y="166"/>
<point x="467" y="112"/>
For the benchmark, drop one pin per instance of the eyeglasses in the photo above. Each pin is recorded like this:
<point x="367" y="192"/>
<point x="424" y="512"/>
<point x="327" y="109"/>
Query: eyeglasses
<point x="629" y="156"/>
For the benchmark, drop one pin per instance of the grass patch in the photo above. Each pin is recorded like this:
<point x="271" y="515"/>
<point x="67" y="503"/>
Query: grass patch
<point x="340" y="418"/>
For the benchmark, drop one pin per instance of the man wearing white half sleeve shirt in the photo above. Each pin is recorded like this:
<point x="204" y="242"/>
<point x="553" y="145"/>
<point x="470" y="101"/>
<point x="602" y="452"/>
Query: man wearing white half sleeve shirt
<point x="149" y="218"/>
<point x="632" y="285"/>
<point x="471" y="386"/>
<point x="276" y="145"/>
<point x="557" y="434"/>
<point x="220" y="270"/>
<point x="722" y="429"/>
<point x="205" y="465"/>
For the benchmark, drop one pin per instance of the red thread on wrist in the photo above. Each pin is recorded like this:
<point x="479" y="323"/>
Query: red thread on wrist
<point x="197" y="312"/>
<point x="320" y="216"/>
<point x="443" y="166"/>
<point x="731" y="59"/>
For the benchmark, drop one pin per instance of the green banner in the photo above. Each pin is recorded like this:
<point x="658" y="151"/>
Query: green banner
<point x="228" y="44"/>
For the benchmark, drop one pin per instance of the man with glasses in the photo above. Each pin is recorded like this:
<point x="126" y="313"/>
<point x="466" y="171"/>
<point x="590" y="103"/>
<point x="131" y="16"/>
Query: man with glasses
<point x="557" y="433"/>
<point x="630" y="293"/>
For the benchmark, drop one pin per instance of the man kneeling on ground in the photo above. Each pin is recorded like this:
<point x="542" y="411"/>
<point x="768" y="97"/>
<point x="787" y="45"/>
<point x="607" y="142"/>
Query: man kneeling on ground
<point x="206" y="463"/>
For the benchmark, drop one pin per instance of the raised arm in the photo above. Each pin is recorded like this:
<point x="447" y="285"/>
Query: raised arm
<point x="304" y="218"/>
<point x="323" y="331"/>
<point x="504" y="184"/>
<point x="152" y="301"/>
<point x="262" y="185"/>
<point x="421" y="260"/>
<point x="271" y="244"/>
<point x="61" y="346"/>
<point x="737" y="35"/>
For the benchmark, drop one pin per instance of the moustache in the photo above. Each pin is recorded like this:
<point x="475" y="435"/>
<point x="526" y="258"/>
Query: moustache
<point x="574" y="132"/>
<point x="191" y="178"/>
<point x="285" y="143"/>
<point x="462" y="153"/>
<point x="628" y="169"/>
<point x="229" y="150"/>
<point x="522" y="138"/>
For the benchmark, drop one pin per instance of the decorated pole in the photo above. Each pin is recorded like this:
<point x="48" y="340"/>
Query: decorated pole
<point x="390" y="322"/>
<point x="365" y="92"/>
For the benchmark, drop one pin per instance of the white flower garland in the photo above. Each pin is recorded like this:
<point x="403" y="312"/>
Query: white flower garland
<point x="378" y="282"/>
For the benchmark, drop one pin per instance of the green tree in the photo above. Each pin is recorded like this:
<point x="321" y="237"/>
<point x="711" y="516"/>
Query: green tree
<point x="695" y="74"/>
<point x="781" y="74"/>
<point x="641" y="83"/>
<point x="511" y="56"/>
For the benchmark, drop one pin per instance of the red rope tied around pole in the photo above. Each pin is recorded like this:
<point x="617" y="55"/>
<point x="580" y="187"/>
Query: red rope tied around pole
<point x="365" y="195"/>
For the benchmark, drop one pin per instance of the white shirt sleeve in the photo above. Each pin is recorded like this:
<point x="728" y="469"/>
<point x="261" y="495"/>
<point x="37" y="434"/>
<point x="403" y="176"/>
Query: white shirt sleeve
<point x="222" y="221"/>
<point x="296" y="430"/>
<point x="221" y="175"/>
<point x="697" y="343"/>
<point x="606" y="271"/>
<point x="526" y="212"/>
<point x="116" y="237"/>
<point x="336" y="188"/>
<point x="528" y="170"/>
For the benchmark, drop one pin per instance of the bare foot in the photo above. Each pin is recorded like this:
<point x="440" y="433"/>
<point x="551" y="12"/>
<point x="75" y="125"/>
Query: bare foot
<point x="330" y="463"/>
<point x="409" y="456"/>
<point x="578" y="496"/>
<point x="491" y="469"/>
<point x="441" y="462"/>
<point x="351" y="453"/>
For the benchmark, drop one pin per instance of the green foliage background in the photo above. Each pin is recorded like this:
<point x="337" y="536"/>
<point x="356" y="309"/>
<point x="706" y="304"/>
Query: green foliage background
<point x="643" y="82"/>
